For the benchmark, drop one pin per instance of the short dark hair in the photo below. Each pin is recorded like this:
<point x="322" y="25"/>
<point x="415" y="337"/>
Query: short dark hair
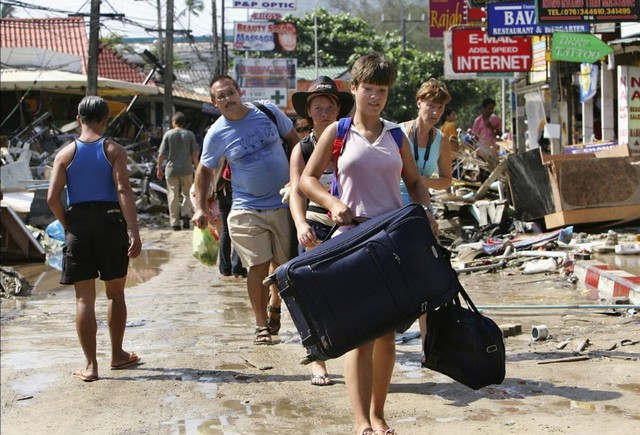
<point x="374" y="69"/>
<point x="93" y="109"/>
<point x="488" y="101"/>
<point x="178" y="119"/>
<point x="220" y="77"/>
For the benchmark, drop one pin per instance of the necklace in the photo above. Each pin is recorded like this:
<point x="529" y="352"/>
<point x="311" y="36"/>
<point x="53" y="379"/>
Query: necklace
<point x="427" y="150"/>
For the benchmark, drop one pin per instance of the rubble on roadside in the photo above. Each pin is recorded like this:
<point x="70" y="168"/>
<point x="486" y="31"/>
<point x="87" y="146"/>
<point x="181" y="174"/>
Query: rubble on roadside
<point x="477" y="221"/>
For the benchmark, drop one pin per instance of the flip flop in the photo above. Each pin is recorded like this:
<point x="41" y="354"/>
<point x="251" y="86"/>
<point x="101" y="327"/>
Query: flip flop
<point x="134" y="360"/>
<point x="321" y="380"/>
<point x="78" y="374"/>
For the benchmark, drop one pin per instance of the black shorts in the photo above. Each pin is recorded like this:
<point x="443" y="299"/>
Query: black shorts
<point x="96" y="243"/>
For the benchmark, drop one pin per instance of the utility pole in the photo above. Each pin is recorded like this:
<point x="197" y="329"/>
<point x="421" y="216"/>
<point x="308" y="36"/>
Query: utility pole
<point x="223" y="54"/>
<point x="214" y="34"/>
<point x="403" y="27"/>
<point x="168" y="69"/>
<point x="159" y="42"/>
<point x="94" y="40"/>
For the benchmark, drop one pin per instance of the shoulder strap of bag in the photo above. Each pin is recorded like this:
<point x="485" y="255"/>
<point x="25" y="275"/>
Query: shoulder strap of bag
<point x="338" y="144"/>
<point x="307" y="147"/>
<point x="264" y="109"/>
<point x="397" y="136"/>
<point x="338" y="147"/>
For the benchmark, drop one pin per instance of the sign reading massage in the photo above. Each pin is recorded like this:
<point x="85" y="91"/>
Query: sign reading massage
<point x="264" y="36"/>
<point x="475" y="51"/>
<point x="268" y="5"/>
<point x="601" y="11"/>
<point x="519" y="18"/>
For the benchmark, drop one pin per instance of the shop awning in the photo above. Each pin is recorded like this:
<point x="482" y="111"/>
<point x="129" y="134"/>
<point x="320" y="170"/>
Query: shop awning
<point x="68" y="82"/>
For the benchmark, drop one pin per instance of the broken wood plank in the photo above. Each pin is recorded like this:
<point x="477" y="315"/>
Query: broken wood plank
<point x="495" y="174"/>
<point x="567" y="359"/>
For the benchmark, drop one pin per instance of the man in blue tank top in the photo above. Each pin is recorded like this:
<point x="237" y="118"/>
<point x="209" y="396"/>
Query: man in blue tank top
<point x="101" y="230"/>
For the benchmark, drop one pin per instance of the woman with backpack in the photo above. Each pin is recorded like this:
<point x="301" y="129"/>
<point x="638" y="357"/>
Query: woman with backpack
<point x="321" y="105"/>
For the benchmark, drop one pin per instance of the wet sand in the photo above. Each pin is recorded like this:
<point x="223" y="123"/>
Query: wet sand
<point x="202" y="374"/>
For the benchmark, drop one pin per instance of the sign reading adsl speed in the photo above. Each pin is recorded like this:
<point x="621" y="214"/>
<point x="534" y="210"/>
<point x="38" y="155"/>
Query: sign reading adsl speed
<point x="475" y="51"/>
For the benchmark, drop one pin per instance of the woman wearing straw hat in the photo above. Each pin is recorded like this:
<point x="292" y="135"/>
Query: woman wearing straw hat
<point x="322" y="104"/>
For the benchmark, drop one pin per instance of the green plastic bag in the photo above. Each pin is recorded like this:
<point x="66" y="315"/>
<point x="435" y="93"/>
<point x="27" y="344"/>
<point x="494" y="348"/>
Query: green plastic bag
<point x="204" y="245"/>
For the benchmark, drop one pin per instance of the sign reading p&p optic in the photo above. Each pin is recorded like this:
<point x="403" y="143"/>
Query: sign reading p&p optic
<point x="475" y="51"/>
<point x="289" y="5"/>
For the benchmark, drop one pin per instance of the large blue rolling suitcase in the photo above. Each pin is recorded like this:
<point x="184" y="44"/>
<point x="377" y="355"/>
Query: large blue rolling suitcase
<point x="366" y="282"/>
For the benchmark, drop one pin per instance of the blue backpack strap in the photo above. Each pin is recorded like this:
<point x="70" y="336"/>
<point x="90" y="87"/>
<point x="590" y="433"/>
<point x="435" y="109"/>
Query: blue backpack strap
<point x="397" y="136"/>
<point x="338" y="146"/>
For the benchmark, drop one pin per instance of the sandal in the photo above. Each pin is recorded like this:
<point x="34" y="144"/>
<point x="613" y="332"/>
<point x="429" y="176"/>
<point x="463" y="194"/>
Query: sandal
<point x="273" y="319"/>
<point x="263" y="336"/>
<point x="385" y="432"/>
<point x="321" y="380"/>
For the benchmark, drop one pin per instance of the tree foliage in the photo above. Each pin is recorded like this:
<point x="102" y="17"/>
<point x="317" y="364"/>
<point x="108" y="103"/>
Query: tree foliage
<point x="342" y="38"/>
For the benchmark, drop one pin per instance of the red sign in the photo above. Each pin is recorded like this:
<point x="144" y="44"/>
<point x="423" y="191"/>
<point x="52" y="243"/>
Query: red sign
<point x="475" y="51"/>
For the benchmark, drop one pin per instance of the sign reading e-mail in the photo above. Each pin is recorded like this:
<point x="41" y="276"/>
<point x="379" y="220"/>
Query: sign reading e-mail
<point x="475" y="51"/>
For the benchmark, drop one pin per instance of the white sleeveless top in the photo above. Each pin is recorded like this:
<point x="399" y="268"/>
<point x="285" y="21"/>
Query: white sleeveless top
<point x="369" y="173"/>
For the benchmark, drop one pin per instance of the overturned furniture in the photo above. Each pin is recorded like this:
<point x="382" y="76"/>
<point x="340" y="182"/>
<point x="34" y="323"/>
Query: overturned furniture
<point x="575" y="189"/>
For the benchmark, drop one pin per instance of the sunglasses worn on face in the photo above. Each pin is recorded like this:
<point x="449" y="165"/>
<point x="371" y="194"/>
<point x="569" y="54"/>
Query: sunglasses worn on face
<point x="303" y="129"/>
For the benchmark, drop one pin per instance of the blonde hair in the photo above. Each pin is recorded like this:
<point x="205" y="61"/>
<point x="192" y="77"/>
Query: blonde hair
<point x="433" y="90"/>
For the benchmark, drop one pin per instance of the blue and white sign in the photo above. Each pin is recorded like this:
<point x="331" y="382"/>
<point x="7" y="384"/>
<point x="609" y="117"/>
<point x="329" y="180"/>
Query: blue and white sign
<point x="519" y="19"/>
<point x="289" y="5"/>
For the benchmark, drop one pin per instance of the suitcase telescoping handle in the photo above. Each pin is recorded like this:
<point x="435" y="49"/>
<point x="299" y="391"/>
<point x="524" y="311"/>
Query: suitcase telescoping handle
<point x="270" y="279"/>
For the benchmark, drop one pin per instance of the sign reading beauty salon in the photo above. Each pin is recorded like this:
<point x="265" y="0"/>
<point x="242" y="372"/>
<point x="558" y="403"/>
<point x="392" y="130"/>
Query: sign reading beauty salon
<point x="475" y="51"/>
<point x="267" y="5"/>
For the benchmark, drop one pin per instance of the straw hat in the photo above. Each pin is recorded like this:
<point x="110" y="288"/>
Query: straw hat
<point x="323" y="85"/>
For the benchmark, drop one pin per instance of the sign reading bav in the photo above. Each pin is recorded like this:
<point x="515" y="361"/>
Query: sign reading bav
<point x="578" y="47"/>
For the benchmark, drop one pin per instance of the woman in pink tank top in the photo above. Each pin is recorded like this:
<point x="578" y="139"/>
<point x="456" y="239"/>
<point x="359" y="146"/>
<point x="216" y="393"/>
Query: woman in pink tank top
<point x="369" y="173"/>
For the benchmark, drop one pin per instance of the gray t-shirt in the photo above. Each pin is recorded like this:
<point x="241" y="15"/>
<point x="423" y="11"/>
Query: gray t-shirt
<point x="178" y="145"/>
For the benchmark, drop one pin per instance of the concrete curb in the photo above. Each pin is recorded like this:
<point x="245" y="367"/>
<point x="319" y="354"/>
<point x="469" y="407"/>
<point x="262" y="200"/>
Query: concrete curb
<point x="609" y="281"/>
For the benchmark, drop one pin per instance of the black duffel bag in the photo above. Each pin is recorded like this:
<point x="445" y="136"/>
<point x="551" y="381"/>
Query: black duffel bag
<point x="464" y="345"/>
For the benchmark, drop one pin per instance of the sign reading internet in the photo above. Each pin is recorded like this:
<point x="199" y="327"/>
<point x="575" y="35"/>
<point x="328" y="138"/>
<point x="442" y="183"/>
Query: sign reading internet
<point x="475" y="51"/>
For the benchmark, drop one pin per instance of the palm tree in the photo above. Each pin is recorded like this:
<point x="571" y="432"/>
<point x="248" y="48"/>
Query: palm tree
<point x="8" y="11"/>
<point x="192" y="7"/>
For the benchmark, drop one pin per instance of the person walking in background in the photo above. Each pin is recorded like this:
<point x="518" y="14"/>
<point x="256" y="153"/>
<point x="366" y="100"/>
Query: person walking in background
<point x="431" y="148"/>
<point x="180" y="150"/>
<point x="101" y="230"/>
<point x="368" y="177"/>
<point x="303" y="127"/>
<point x="450" y="129"/>
<point x="230" y="263"/>
<point x="259" y="223"/>
<point x="488" y="126"/>
<point x="322" y="104"/>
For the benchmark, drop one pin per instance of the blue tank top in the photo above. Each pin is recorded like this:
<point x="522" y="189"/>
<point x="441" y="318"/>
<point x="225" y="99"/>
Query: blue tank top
<point x="90" y="175"/>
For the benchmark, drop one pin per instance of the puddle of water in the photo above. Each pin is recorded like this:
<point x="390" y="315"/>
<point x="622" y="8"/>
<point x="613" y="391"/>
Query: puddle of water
<point x="30" y="385"/>
<point x="224" y="423"/>
<point x="45" y="278"/>
<point x="629" y="263"/>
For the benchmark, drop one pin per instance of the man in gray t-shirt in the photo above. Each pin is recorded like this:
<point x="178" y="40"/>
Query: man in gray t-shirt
<point x="180" y="150"/>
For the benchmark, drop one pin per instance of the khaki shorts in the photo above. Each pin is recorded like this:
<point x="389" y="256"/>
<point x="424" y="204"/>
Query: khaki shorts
<point x="261" y="235"/>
